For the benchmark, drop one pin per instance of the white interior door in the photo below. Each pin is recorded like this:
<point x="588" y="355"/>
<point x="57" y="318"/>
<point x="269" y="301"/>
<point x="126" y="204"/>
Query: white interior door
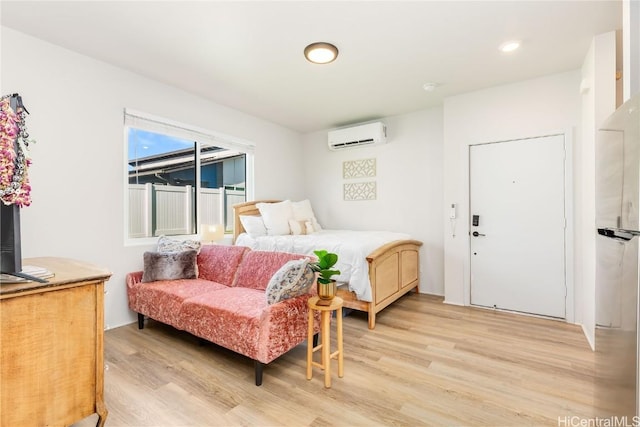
<point x="517" y="255"/>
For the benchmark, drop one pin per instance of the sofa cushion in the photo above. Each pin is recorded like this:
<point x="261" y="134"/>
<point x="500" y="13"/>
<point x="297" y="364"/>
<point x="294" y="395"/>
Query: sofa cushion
<point x="170" y="265"/>
<point x="228" y="317"/>
<point x="292" y="279"/>
<point x="257" y="268"/>
<point x="162" y="300"/>
<point x="219" y="263"/>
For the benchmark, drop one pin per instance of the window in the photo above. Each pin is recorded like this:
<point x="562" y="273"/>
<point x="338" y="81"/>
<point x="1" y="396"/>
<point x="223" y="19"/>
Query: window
<point x="180" y="177"/>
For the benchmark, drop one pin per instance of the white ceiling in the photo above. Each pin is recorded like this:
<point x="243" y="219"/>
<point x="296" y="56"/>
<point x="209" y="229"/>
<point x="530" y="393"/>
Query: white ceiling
<point x="248" y="55"/>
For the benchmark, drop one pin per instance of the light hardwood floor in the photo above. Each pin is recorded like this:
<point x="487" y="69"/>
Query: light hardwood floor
<point x="426" y="363"/>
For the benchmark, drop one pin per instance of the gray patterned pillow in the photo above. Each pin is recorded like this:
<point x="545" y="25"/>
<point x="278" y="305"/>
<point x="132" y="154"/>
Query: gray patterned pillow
<point x="166" y="244"/>
<point x="170" y="266"/>
<point x="292" y="279"/>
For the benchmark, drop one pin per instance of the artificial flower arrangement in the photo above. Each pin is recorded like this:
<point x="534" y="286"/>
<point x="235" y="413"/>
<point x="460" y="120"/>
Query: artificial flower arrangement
<point x="14" y="147"/>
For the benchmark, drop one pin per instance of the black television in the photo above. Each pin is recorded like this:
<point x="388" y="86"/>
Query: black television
<point x="10" y="250"/>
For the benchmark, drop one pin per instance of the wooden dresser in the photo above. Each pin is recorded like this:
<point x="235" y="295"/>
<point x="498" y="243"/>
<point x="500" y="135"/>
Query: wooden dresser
<point x="51" y="346"/>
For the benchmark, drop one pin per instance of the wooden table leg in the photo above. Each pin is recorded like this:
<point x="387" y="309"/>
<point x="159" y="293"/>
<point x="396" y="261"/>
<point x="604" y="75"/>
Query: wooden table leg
<point x="102" y="412"/>
<point x="326" y="347"/>
<point x="310" y="345"/>
<point x="339" y="337"/>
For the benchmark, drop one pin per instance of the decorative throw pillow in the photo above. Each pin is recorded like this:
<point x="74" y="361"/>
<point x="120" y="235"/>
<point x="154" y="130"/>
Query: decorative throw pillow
<point x="276" y="217"/>
<point x="292" y="279"/>
<point x="309" y="227"/>
<point x="298" y="227"/>
<point x="302" y="211"/>
<point x="166" y="244"/>
<point x="253" y="225"/>
<point x="170" y="265"/>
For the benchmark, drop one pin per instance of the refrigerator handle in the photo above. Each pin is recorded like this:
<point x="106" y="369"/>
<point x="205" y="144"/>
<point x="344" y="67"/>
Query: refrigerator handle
<point x="618" y="233"/>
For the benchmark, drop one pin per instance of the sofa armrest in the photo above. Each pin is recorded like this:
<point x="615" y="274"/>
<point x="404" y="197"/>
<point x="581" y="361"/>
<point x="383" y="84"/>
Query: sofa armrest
<point x="133" y="279"/>
<point x="283" y="325"/>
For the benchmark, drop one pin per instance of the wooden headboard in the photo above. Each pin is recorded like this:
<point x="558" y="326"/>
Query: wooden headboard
<point x="246" y="208"/>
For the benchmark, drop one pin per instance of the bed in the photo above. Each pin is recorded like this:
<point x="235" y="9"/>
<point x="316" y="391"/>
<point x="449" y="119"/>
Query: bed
<point x="390" y="263"/>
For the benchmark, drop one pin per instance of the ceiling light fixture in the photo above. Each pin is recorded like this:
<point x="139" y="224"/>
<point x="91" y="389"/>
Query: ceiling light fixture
<point x="430" y="86"/>
<point x="509" y="46"/>
<point x="321" y="53"/>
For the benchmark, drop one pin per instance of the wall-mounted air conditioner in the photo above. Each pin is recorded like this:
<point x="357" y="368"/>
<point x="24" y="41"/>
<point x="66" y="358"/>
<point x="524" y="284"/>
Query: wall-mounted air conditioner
<point x="358" y="136"/>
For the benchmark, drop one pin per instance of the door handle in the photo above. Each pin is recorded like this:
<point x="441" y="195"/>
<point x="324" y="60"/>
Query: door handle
<point x="476" y="234"/>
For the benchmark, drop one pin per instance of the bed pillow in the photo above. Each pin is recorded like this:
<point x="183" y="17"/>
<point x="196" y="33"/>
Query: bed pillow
<point x="294" y="278"/>
<point x="170" y="265"/>
<point x="302" y="211"/>
<point x="253" y="225"/>
<point x="165" y="244"/>
<point x="276" y="217"/>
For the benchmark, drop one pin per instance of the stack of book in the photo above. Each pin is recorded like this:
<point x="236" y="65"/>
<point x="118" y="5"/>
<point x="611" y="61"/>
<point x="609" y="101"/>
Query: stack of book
<point x="39" y="272"/>
<point x="26" y="275"/>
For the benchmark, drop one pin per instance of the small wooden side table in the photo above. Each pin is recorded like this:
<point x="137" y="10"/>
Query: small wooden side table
<point x="325" y="331"/>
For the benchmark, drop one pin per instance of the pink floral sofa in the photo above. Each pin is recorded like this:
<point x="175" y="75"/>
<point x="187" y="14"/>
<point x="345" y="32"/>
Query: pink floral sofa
<point x="226" y="303"/>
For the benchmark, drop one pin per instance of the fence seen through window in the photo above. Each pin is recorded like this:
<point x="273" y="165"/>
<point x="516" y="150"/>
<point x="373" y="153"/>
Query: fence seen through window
<point x="174" y="185"/>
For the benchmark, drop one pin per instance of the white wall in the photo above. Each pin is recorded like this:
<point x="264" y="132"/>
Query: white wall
<point x="409" y="187"/>
<point x="76" y="105"/>
<point x="530" y="108"/>
<point x="631" y="47"/>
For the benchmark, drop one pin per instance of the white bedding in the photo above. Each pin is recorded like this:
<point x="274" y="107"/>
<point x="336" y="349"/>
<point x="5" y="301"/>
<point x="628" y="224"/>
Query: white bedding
<point x="352" y="248"/>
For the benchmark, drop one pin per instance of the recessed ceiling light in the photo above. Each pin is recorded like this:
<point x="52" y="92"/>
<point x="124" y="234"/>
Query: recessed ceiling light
<point x="509" y="46"/>
<point x="430" y="86"/>
<point x="321" y="53"/>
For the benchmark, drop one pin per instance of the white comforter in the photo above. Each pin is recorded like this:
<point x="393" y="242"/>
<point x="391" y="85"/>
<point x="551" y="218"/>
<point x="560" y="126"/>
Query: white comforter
<point x="352" y="248"/>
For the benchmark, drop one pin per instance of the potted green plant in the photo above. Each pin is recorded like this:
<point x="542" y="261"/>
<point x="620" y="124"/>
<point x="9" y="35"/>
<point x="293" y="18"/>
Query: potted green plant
<point x="326" y="285"/>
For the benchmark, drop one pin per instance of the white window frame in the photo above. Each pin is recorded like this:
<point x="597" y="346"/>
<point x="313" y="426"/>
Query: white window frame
<point x="140" y="120"/>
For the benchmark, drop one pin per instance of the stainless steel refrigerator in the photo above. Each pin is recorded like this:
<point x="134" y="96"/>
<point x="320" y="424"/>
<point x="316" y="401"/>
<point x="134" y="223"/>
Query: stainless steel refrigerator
<point x="617" y="278"/>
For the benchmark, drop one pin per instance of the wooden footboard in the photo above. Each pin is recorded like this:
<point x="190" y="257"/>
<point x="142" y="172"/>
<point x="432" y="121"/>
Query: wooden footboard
<point x="394" y="269"/>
